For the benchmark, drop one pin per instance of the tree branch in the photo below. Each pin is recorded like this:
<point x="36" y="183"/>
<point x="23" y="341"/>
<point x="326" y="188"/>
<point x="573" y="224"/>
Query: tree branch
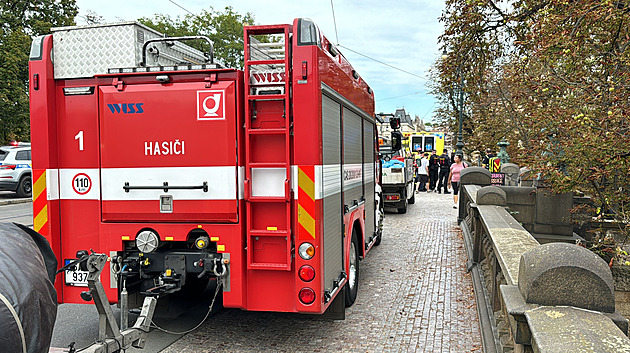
<point x="579" y="20"/>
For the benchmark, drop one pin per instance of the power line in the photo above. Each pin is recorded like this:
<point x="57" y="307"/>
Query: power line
<point x="181" y="7"/>
<point x="430" y="110"/>
<point x="404" y="95"/>
<point x="384" y="63"/>
<point x="334" y="20"/>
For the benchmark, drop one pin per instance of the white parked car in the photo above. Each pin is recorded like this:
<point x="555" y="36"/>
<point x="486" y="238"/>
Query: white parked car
<point x="15" y="169"/>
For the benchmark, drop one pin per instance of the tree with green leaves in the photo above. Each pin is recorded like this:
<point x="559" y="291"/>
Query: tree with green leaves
<point x="552" y="77"/>
<point x="224" y="28"/>
<point x="21" y="20"/>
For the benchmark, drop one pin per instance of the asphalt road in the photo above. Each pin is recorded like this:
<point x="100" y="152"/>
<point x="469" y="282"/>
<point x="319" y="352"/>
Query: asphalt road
<point x="19" y="213"/>
<point x="79" y="323"/>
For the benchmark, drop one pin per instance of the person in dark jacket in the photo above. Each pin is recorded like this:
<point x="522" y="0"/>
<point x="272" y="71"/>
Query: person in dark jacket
<point x="445" y="168"/>
<point x="486" y="160"/>
<point x="433" y="170"/>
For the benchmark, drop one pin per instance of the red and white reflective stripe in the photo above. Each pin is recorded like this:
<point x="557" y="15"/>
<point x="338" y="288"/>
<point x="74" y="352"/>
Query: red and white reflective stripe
<point x="270" y="181"/>
<point x="319" y="187"/>
<point x="68" y="178"/>
<point x="59" y="184"/>
<point x="221" y="183"/>
<point x="52" y="184"/>
<point x="224" y="183"/>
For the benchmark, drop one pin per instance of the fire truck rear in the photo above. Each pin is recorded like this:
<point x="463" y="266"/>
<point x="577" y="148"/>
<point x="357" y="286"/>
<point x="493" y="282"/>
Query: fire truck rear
<point x="183" y="172"/>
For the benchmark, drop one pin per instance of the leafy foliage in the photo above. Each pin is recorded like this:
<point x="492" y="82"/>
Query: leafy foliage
<point x="553" y="78"/>
<point x="21" y="20"/>
<point x="225" y="30"/>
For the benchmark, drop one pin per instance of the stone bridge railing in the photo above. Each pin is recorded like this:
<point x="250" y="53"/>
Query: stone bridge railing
<point x="556" y="297"/>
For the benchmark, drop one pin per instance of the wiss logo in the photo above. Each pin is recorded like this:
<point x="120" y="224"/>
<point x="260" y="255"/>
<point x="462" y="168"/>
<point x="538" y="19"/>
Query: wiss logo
<point x="265" y="77"/>
<point x="126" y="108"/>
<point x="211" y="105"/>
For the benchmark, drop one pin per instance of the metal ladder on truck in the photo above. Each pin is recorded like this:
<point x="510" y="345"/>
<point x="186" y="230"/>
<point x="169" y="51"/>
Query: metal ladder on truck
<point x="268" y="148"/>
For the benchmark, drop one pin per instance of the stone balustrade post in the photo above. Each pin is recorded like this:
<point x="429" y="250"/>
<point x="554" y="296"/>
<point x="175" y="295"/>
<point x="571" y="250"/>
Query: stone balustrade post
<point x="564" y="302"/>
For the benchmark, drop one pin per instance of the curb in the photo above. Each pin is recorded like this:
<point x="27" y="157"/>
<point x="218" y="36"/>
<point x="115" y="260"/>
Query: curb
<point x="14" y="201"/>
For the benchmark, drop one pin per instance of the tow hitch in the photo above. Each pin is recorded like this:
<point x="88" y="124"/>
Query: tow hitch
<point x="110" y="338"/>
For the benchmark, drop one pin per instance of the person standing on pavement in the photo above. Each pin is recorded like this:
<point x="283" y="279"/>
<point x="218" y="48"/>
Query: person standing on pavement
<point x="433" y="170"/>
<point x="455" y="175"/>
<point x="445" y="169"/>
<point x="486" y="160"/>
<point x="423" y="173"/>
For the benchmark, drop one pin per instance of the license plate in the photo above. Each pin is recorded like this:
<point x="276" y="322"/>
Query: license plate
<point x="76" y="277"/>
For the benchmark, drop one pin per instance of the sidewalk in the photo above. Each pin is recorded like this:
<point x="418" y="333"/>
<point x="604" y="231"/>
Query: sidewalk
<point x="414" y="296"/>
<point x="9" y="198"/>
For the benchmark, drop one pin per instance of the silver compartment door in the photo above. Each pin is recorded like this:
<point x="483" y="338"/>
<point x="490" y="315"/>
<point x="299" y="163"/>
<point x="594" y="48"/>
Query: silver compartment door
<point x="369" y="179"/>
<point x="352" y="158"/>
<point x="332" y="202"/>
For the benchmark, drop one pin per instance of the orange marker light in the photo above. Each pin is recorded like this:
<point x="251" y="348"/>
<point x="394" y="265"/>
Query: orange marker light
<point x="306" y="251"/>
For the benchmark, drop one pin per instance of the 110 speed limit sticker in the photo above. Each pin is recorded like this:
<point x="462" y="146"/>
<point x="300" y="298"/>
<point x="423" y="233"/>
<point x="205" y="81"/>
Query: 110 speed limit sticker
<point x="81" y="183"/>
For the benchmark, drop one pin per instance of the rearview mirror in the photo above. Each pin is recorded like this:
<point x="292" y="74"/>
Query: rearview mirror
<point x="396" y="140"/>
<point x="394" y="123"/>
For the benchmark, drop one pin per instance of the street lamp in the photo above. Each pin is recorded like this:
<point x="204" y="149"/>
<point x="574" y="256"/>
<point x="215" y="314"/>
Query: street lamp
<point x="460" y="139"/>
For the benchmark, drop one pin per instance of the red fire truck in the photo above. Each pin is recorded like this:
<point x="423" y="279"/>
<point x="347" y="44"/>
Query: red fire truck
<point x="181" y="171"/>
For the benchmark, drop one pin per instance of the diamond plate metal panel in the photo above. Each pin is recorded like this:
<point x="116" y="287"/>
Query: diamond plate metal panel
<point x="85" y="51"/>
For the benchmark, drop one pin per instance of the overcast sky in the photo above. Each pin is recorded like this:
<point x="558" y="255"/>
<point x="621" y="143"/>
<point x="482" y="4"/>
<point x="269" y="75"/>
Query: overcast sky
<point x="401" y="33"/>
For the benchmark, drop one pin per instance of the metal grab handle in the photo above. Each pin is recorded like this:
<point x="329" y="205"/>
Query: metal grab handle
<point x="165" y="187"/>
<point x="168" y="39"/>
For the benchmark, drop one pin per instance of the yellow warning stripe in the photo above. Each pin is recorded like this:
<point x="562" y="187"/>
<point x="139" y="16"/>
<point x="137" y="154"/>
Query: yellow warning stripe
<point x="306" y="184"/>
<point x="39" y="186"/>
<point x="306" y="220"/>
<point x="40" y="220"/>
<point x="306" y="199"/>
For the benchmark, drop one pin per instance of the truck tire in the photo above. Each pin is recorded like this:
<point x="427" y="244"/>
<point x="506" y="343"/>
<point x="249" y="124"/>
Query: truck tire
<point x="377" y="242"/>
<point x="352" y="286"/>
<point x="403" y="209"/>
<point x="412" y="200"/>
<point x="25" y="187"/>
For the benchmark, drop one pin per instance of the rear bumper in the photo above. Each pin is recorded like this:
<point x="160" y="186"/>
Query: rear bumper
<point x="392" y="190"/>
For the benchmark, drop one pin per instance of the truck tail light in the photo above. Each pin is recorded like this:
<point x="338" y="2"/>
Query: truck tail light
<point x="36" y="82"/>
<point x="307" y="295"/>
<point x="306" y="251"/>
<point x="8" y="166"/>
<point x="306" y="273"/>
<point x="392" y="197"/>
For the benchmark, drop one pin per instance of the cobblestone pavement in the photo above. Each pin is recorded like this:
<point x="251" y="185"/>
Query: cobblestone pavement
<point x="414" y="296"/>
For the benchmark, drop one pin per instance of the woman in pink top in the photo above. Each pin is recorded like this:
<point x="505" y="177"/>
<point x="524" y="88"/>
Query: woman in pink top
<point x="453" y="178"/>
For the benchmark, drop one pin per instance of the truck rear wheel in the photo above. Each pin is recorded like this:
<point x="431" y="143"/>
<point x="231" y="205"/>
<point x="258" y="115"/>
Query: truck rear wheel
<point x="352" y="286"/>
<point x="403" y="210"/>
<point x="412" y="200"/>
